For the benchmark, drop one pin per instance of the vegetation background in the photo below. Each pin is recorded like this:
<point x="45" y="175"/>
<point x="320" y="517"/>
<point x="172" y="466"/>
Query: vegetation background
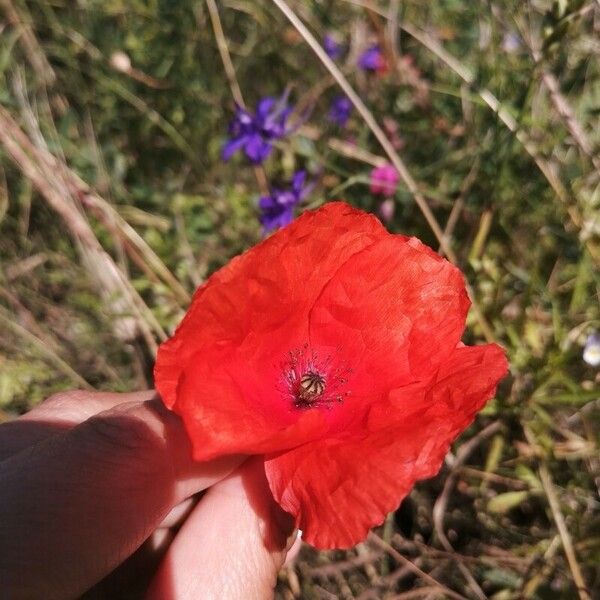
<point x="115" y="205"/>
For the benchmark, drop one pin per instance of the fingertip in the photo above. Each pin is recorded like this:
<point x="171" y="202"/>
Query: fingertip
<point x="232" y="545"/>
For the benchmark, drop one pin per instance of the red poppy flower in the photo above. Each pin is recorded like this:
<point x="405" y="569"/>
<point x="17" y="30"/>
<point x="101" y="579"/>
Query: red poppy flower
<point x="333" y="349"/>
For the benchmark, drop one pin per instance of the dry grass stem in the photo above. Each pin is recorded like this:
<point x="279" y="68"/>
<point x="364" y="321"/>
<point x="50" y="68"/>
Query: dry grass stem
<point x="46" y="175"/>
<point x="387" y="147"/>
<point x="377" y="541"/>
<point x="565" y="537"/>
<point x="30" y="44"/>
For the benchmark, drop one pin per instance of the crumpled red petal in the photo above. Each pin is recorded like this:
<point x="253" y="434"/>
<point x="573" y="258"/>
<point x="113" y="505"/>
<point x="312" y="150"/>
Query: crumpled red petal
<point x="378" y="318"/>
<point x="338" y="488"/>
<point x="259" y="296"/>
<point x="397" y="310"/>
<point x="218" y="371"/>
<point x="229" y="409"/>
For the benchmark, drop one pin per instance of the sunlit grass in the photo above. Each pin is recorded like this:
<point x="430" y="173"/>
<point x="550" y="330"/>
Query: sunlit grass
<point x="120" y="206"/>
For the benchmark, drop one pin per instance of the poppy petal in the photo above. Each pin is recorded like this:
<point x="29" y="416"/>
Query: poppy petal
<point x="258" y="304"/>
<point x="338" y="489"/>
<point x="333" y="348"/>
<point x="396" y="308"/>
<point x="228" y="409"/>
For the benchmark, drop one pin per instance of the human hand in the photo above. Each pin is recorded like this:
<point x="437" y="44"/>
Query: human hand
<point x="100" y="487"/>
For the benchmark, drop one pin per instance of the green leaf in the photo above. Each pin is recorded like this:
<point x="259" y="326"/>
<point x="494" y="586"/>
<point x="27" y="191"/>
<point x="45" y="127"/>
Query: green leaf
<point x="502" y="503"/>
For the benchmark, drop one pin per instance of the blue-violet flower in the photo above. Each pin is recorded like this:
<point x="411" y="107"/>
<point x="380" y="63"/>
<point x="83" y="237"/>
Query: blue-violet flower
<point x="256" y="133"/>
<point x="340" y="110"/>
<point x="332" y="47"/>
<point x="372" y="59"/>
<point x="277" y="209"/>
<point x="591" y="350"/>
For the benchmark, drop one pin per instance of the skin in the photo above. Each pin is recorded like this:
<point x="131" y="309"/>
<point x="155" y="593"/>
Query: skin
<point x="99" y="496"/>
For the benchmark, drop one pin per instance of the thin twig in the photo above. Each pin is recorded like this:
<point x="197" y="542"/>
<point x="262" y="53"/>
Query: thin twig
<point x="492" y="102"/>
<point x="103" y="210"/>
<point x="236" y="92"/>
<point x="439" y="508"/>
<point x="234" y="86"/>
<point x="567" y="114"/>
<point x="418" y="593"/>
<point x="559" y="519"/>
<point x="328" y="570"/>
<point x="375" y="539"/>
<point x="107" y="213"/>
<point x="387" y="146"/>
<point x="460" y="202"/>
<point x="562" y="106"/>
<point x="370" y="121"/>
<point x="114" y="85"/>
<point x="42" y="346"/>
<point x="29" y="42"/>
<point x="48" y="175"/>
<point x="503" y="114"/>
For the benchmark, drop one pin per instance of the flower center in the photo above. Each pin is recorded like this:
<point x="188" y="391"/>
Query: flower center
<point x="311" y="388"/>
<point x="310" y="381"/>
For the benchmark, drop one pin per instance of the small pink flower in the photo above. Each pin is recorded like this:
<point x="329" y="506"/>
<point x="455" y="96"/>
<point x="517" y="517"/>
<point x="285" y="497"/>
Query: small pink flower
<point x="384" y="180"/>
<point x="386" y="210"/>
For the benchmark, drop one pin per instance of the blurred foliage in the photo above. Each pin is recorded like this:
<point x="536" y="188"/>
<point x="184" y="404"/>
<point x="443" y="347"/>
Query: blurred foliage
<point x="132" y="97"/>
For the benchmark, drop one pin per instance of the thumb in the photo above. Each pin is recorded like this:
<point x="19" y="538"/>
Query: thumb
<point x="231" y="546"/>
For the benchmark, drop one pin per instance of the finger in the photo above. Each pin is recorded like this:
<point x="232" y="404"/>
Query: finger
<point x="231" y="546"/>
<point x="179" y="513"/>
<point x="294" y="551"/>
<point x="90" y="496"/>
<point x="58" y="413"/>
<point x="131" y="578"/>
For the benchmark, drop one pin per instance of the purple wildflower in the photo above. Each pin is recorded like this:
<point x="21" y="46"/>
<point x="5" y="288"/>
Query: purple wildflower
<point x="256" y="133"/>
<point x="511" y="42"/>
<point x="372" y="59"/>
<point x="340" y="109"/>
<point x="386" y="210"/>
<point x="332" y="47"/>
<point x="384" y="180"/>
<point x="591" y="351"/>
<point x="277" y="209"/>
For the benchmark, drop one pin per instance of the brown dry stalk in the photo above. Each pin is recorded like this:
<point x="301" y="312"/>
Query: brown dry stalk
<point x="388" y="148"/>
<point x="439" y="508"/>
<point x="138" y="249"/>
<point x="367" y="558"/>
<point x="545" y="167"/>
<point x="377" y="541"/>
<point x="43" y="347"/>
<point x="488" y="97"/>
<point x="429" y="591"/>
<point x="562" y="106"/>
<point x="29" y="42"/>
<point x="236" y="91"/>
<point x="234" y="86"/>
<point x="564" y="109"/>
<point x="503" y="114"/>
<point x="107" y="214"/>
<point x="559" y="519"/>
<point x="563" y="532"/>
<point x="460" y="201"/>
<point x="50" y="177"/>
<point x="369" y="119"/>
